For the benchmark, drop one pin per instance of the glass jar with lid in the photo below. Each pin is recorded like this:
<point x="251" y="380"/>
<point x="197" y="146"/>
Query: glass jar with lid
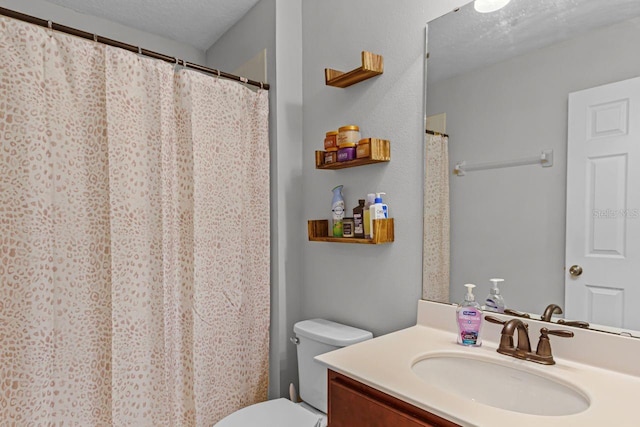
<point x="348" y="135"/>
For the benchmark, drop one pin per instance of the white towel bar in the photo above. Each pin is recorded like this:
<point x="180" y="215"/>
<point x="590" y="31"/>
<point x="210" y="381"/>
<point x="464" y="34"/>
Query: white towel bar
<point x="545" y="159"/>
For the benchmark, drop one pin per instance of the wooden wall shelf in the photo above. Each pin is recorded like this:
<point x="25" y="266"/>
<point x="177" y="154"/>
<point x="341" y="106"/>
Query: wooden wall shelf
<point x="382" y="232"/>
<point x="372" y="65"/>
<point x="379" y="152"/>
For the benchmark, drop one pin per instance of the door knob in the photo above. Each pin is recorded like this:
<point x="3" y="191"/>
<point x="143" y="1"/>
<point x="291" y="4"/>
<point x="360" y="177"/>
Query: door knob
<point x="575" y="270"/>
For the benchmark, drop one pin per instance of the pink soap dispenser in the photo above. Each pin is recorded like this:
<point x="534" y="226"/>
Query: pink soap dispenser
<point x="469" y="318"/>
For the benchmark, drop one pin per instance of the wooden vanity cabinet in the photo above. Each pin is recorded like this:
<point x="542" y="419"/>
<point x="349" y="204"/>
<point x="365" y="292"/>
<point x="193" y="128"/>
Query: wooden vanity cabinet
<point x="353" y="404"/>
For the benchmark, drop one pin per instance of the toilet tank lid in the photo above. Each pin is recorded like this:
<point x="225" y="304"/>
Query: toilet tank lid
<point x="331" y="333"/>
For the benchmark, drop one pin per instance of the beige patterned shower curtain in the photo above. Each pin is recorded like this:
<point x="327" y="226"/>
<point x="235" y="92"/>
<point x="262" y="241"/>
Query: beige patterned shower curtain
<point x="134" y="237"/>
<point x="435" y="265"/>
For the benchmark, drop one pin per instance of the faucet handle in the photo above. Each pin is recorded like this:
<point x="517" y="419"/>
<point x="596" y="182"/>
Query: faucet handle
<point x="492" y="319"/>
<point x="557" y="332"/>
<point x="512" y="312"/>
<point x="576" y="323"/>
<point x="543" y="352"/>
<point x="506" y="341"/>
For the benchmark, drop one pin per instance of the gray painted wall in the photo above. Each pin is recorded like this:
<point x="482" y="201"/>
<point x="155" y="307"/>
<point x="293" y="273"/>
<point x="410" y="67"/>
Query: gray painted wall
<point x="92" y="24"/>
<point x="510" y="223"/>
<point x="276" y="26"/>
<point x="367" y="286"/>
<point x="375" y="288"/>
<point x="289" y="183"/>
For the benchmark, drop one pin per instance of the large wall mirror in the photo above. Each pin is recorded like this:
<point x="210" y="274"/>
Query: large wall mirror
<point x="544" y="98"/>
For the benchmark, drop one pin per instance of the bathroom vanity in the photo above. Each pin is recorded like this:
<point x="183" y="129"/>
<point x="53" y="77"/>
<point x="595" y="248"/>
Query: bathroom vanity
<point x="419" y="376"/>
<point x="354" y="404"/>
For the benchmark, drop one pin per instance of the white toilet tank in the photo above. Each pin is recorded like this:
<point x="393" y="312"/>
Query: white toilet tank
<point x="315" y="337"/>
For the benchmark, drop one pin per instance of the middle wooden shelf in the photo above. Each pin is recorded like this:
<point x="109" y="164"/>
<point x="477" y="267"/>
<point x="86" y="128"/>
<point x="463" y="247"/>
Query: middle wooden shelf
<point x="379" y="152"/>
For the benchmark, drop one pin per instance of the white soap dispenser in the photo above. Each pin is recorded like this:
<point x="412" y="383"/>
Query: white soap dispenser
<point x="378" y="210"/>
<point x="495" y="301"/>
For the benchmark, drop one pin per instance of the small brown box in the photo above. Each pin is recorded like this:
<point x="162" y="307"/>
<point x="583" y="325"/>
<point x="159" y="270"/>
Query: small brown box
<point x="330" y="157"/>
<point x="331" y="140"/>
<point x="363" y="150"/>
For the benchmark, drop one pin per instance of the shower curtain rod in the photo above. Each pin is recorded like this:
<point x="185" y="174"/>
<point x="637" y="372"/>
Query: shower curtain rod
<point x="89" y="36"/>
<point x="433" y="132"/>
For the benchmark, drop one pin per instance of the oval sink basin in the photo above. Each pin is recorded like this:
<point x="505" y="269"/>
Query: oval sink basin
<point x="500" y="386"/>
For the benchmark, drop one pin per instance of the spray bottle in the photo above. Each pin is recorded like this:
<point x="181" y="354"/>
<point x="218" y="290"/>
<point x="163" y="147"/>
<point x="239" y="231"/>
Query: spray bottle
<point x="337" y="211"/>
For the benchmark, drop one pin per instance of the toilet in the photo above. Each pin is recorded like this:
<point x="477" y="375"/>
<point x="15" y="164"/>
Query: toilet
<point x="313" y="337"/>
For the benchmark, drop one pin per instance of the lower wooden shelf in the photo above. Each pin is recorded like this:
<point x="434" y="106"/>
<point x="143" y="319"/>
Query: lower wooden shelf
<point x="382" y="232"/>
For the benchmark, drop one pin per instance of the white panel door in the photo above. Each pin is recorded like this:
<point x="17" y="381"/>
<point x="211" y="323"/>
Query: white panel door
<point x="603" y="205"/>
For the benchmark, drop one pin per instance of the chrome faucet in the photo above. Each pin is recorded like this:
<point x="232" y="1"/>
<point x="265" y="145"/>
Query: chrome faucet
<point x="523" y="351"/>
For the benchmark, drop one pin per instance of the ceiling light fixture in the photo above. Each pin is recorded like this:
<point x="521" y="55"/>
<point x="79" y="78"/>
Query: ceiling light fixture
<point x="487" y="6"/>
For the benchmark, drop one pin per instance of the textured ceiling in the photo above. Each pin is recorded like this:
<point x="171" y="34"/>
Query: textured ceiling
<point x="198" y="23"/>
<point x="466" y="40"/>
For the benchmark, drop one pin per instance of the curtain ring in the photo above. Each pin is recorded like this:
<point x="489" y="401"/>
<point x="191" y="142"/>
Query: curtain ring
<point x="244" y="80"/>
<point x="139" y="50"/>
<point x="95" y="37"/>
<point x="218" y="72"/>
<point x="50" y="25"/>
<point x="261" y="85"/>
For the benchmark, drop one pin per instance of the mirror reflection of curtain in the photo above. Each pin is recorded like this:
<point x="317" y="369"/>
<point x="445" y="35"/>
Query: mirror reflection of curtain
<point x="435" y="266"/>
<point x="134" y="239"/>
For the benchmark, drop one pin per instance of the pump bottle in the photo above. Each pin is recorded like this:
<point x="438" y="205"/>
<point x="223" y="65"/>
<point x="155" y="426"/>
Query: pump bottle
<point x="494" y="301"/>
<point x="469" y="318"/>
<point x="377" y="211"/>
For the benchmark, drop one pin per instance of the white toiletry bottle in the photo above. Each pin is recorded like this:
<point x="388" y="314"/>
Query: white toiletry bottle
<point x="377" y="211"/>
<point x="366" y="216"/>
<point x="469" y="318"/>
<point x="494" y="301"/>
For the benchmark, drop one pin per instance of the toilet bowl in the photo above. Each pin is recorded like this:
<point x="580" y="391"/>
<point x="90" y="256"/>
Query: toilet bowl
<point x="313" y="337"/>
<point x="274" y="413"/>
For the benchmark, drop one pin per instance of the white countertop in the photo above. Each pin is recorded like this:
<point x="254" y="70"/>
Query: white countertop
<point x="385" y="364"/>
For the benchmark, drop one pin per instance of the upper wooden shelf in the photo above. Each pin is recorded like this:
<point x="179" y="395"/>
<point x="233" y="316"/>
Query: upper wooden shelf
<point x="372" y="65"/>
